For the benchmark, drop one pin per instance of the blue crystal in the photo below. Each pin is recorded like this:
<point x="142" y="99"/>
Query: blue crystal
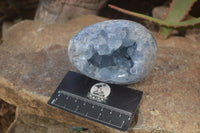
<point x="114" y="51"/>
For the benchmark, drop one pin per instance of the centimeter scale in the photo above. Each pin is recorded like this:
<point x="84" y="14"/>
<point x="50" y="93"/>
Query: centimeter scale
<point x="108" y="104"/>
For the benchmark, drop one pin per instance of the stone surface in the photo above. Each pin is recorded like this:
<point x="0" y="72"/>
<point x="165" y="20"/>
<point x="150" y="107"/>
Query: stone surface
<point x="193" y="34"/>
<point x="7" y="115"/>
<point x="5" y="27"/>
<point x="31" y="123"/>
<point x="57" y="11"/>
<point x="33" y="61"/>
<point x="114" y="51"/>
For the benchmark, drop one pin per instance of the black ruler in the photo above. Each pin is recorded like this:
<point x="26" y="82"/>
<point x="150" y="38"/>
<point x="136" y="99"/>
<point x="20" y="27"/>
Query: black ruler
<point x="108" y="104"/>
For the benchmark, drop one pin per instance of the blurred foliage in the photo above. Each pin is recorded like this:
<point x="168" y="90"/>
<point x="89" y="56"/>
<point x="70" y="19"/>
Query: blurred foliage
<point x="76" y="129"/>
<point x="178" y="10"/>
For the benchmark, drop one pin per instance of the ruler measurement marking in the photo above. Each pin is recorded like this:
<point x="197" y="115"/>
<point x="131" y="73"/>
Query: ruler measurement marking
<point x="95" y="103"/>
<point x="98" y="116"/>
<point x="90" y="116"/>
<point x="76" y="108"/>
<point x="120" y="115"/>
<point x="53" y="101"/>
<point x="67" y="97"/>
<point x="122" y="123"/>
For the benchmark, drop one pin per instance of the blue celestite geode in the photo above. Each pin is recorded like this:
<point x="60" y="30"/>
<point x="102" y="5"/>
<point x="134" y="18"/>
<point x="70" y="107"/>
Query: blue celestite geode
<point x="114" y="51"/>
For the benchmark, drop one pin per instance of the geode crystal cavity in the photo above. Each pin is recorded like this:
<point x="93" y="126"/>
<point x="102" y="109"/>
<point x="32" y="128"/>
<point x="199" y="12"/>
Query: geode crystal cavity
<point x="114" y="51"/>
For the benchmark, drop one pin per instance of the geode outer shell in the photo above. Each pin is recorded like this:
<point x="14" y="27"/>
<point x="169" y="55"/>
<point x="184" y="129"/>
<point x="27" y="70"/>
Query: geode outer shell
<point x="114" y="51"/>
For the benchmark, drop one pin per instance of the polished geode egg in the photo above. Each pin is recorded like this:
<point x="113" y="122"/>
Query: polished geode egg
<point x="114" y="51"/>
